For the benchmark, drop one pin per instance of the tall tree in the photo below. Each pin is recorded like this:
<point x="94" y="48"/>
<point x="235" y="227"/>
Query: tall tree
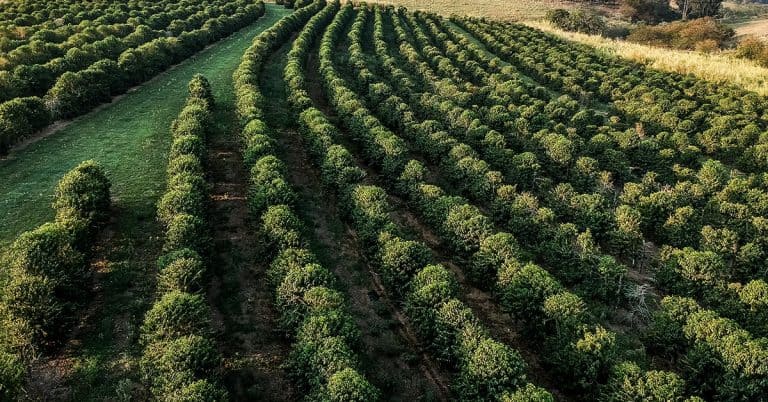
<point x="699" y="8"/>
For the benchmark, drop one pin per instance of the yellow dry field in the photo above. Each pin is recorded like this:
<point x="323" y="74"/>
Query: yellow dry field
<point x="717" y="67"/>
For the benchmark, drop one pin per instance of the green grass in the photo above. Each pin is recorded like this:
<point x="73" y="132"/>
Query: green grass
<point x="130" y="138"/>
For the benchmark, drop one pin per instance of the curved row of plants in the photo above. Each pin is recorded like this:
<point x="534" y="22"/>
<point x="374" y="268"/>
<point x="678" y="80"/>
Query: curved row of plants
<point x="144" y="56"/>
<point x="748" y="379"/>
<point x="717" y="120"/>
<point x="494" y="258"/>
<point x="65" y="22"/>
<point x="742" y="301"/>
<point x="47" y="273"/>
<point x="180" y="358"/>
<point x="32" y="69"/>
<point x="324" y="359"/>
<point x="487" y="369"/>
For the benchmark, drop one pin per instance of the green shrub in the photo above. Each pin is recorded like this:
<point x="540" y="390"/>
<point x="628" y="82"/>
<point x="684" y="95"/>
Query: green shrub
<point x="491" y="369"/>
<point x="466" y="228"/>
<point x="187" y="145"/>
<point x="579" y="20"/>
<point x="182" y="274"/>
<point x="399" y="260"/>
<point x="339" y="169"/>
<point x="257" y="146"/>
<point x="321" y="299"/>
<point x="523" y="290"/>
<point x="334" y="323"/>
<point x="35" y="315"/>
<point x="583" y="362"/>
<point x="47" y="251"/>
<point x="193" y="120"/>
<point x="370" y="212"/>
<point x="287" y="260"/>
<point x="457" y="331"/>
<point x="629" y="382"/>
<point x="290" y="293"/>
<point x="176" y="314"/>
<point x="431" y="287"/>
<point x="313" y="362"/>
<point x="183" y="199"/>
<point x="84" y="189"/>
<point x="496" y="250"/>
<point x="186" y="231"/>
<point x="200" y="88"/>
<point x="257" y="128"/>
<point x="11" y="376"/>
<point x="566" y="311"/>
<point x="182" y="180"/>
<point x="281" y="227"/>
<point x="185" y="164"/>
<point x="170" y="364"/>
<point x="528" y="393"/>
<point x="21" y="117"/>
<point x="268" y="185"/>
<point x="348" y="385"/>
<point x="198" y="391"/>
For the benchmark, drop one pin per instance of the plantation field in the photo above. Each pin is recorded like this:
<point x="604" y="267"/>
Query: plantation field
<point x="353" y="202"/>
<point x="130" y="138"/>
<point x="717" y="67"/>
<point x="499" y="10"/>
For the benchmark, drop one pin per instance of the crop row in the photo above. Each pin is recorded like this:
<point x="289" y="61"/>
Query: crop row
<point x="180" y="358"/>
<point x="741" y="301"/>
<point x="400" y="118"/>
<point x="324" y="358"/>
<point x="487" y="369"/>
<point x="47" y="274"/>
<point x="31" y="68"/>
<point x="131" y="61"/>
<point x="568" y="327"/>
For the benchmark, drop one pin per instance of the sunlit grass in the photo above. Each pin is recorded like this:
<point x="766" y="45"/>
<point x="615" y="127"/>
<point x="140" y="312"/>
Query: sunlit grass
<point x="716" y="67"/>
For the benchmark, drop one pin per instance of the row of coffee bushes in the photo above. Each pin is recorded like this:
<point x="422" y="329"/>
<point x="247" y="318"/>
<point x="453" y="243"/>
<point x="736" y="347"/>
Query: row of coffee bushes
<point x="487" y="369"/>
<point x="48" y="273"/>
<point x="26" y="21"/>
<point x="473" y="176"/>
<point x="324" y="359"/>
<point x="31" y="69"/>
<point x="180" y="359"/>
<point x="295" y="4"/>
<point x="494" y="256"/>
<point x="61" y="38"/>
<point x="722" y="359"/>
<point x="249" y="98"/>
<point x="76" y="93"/>
<point x="712" y="213"/>
<point x="707" y="273"/>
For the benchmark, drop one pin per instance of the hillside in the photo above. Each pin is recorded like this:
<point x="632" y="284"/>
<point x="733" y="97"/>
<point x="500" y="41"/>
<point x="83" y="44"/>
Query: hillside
<point x="344" y="202"/>
<point x="496" y="9"/>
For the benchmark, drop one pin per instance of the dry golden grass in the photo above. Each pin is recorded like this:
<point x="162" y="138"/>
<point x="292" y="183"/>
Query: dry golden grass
<point x="495" y="9"/>
<point x="717" y="67"/>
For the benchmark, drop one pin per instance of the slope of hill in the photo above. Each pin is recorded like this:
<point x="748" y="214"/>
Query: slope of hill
<point x="715" y="67"/>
